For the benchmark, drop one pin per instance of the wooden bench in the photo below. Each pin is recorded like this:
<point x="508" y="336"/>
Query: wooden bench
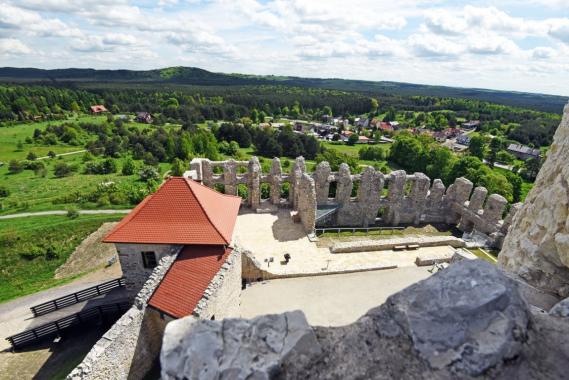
<point x="399" y="248"/>
<point x="413" y="246"/>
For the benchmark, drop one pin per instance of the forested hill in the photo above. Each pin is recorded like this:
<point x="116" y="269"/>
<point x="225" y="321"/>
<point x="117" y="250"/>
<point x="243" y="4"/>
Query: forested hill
<point x="196" y="76"/>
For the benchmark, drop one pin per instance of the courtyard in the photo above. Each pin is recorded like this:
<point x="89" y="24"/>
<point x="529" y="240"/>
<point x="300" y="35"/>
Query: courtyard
<point x="272" y="235"/>
<point x="331" y="300"/>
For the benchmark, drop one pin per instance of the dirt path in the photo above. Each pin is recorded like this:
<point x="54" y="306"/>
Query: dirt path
<point x="63" y="212"/>
<point x="62" y="154"/>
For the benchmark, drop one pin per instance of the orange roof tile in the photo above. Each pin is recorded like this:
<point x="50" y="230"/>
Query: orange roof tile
<point x="181" y="211"/>
<point x="187" y="279"/>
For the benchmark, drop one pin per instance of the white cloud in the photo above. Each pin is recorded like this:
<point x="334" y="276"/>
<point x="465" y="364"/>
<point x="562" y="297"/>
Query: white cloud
<point x="12" y="46"/>
<point x="433" y="46"/>
<point x="487" y="43"/>
<point x="543" y="52"/>
<point x="559" y="29"/>
<point x="445" y="22"/>
<point x="119" y="39"/>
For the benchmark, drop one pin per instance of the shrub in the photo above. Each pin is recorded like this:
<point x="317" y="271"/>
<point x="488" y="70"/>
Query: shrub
<point x="103" y="201"/>
<point x="72" y="213"/>
<point x="62" y="169"/>
<point x="15" y="166"/>
<point x="4" y="192"/>
<point x="128" y="167"/>
<point x="51" y="154"/>
<point x="118" y="198"/>
<point x="32" y="156"/>
<point x="149" y="173"/>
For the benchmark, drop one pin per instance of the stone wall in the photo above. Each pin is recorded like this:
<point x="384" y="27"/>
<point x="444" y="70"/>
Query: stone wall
<point x="222" y="297"/>
<point x="132" y="266"/>
<point x="391" y="200"/>
<point x="537" y="246"/>
<point x="468" y="321"/>
<point x="130" y="348"/>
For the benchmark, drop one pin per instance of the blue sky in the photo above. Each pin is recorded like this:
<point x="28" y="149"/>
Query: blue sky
<point x="509" y="45"/>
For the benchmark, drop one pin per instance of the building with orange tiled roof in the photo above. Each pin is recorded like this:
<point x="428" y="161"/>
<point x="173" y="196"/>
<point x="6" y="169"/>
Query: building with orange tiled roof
<point x="184" y="221"/>
<point x="98" y="108"/>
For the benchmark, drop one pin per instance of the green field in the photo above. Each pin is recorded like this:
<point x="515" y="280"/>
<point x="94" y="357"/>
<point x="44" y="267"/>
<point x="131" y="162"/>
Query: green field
<point x="10" y="136"/>
<point x="30" y="192"/>
<point x="34" y="247"/>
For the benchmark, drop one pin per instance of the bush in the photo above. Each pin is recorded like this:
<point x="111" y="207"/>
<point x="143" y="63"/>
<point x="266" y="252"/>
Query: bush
<point x="149" y="173"/>
<point x="62" y="169"/>
<point x="118" y="198"/>
<point x="353" y="139"/>
<point x="32" y="156"/>
<point x="72" y="213"/>
<point x="4" y="192"/>
<point x="103" y="201"/>
<point x="15" y="166"/>
<point x="51" y="154"/>
<point x="128" y="167"/>
<point x="372" y="153"/>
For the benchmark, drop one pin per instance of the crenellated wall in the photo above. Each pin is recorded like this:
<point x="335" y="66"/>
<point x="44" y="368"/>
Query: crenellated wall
<point x="395" y="199"/>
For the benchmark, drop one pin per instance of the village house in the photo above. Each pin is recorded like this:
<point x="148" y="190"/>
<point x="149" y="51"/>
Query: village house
<point x="144" y="117"/>
<point x="472" y="124"/>
<point x="385" y="126"/>
<point x="98" y="108"/>
<point x="523" y="152"/>
<point x="463" y="139"/>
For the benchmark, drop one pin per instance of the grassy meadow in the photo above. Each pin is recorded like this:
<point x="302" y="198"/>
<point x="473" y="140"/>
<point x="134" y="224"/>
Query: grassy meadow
<point x="34" y="247"/>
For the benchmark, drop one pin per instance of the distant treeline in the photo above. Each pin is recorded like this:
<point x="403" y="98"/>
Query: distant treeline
<point x="195" y="104"/>
<point x="192" y="76"/>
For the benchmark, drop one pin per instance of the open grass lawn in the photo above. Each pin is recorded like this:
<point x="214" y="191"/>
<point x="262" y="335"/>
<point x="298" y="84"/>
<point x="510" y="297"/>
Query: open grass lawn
<point x="29" y="192"/>
<point x="34" y="247"/>
<point x="12" y="135"/>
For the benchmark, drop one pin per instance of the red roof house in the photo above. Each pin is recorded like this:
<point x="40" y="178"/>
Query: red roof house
<point x="182" y="212"/>
<point x="385" y="126"/>
<point x="98" y="109"/>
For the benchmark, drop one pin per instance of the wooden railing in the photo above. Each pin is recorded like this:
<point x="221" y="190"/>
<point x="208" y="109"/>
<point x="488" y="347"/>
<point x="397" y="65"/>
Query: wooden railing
<point x="338" y="230"/>
<point x="80" y="296"/>
<point x="51" y="329"/>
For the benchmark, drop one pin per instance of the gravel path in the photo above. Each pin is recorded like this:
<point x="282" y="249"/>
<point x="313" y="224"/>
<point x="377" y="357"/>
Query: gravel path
<point x="62" y="154"/>
<point x="63" y="212"/>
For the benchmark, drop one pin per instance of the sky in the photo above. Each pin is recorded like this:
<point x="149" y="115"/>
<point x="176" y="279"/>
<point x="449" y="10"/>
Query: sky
<point x="520" y="45"/>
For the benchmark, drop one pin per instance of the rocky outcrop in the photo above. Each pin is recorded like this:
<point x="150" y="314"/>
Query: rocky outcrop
<point x="468" y="321"/>
<point x="537" y="245"/>
<point x="231" y="349"/>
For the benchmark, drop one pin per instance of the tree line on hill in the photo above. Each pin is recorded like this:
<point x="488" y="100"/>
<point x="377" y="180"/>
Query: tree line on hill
<point x="195" y="104"/>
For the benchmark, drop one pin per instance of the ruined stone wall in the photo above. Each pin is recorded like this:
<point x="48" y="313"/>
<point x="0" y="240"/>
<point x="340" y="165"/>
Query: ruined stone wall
<point x="130" y="348"/>
<point x="394" y="199"/>
<point x="537" y="246"/>
<point x="222" y="297"/>
<point x="132" y="265"/>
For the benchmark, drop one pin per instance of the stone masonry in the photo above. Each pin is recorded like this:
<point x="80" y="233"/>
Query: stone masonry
<point x="130" y="258"/>
<point x="537" y="246"/>
<point x="390" y="200"/>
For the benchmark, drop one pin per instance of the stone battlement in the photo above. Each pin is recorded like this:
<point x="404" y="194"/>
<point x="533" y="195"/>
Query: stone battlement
<point x="391" y="200"/>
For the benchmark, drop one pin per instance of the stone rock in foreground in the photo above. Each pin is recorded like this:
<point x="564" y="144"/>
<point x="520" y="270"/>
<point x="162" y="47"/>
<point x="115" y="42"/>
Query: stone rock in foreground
<point x="236" y="348"/>
<point x="536" y="247"/>
<point x="560" y="309"/>
<point x="467" y="322"/>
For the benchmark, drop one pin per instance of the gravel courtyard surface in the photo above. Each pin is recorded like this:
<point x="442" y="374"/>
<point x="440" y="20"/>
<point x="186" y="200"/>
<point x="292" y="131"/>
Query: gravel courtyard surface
<point x="331" y="300"/>
<point x="272" y="235"/>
